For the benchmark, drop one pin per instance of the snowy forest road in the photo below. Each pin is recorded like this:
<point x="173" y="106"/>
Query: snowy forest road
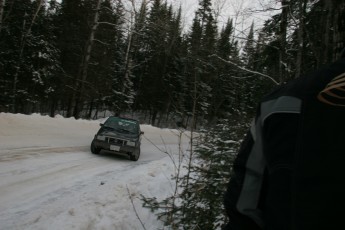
<point x="51" y="180"/>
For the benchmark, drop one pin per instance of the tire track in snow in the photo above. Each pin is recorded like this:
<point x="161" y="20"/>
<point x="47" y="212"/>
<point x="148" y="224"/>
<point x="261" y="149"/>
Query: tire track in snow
<point x="23" y="153"/>
<point x="55" y="173"/>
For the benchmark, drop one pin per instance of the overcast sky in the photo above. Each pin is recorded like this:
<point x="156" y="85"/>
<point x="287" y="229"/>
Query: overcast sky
<point x="243" y="12"/>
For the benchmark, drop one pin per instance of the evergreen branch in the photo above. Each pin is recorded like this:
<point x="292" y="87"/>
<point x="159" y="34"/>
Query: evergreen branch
<point x="244" y="69"/>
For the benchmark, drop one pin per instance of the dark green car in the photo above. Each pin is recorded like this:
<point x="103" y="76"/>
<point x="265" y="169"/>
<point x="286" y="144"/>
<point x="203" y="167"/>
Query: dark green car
<point x="117" y="134"/>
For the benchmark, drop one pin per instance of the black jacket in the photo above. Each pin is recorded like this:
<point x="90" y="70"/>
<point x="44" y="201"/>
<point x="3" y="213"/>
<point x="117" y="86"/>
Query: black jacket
<point x="290" y="170"/>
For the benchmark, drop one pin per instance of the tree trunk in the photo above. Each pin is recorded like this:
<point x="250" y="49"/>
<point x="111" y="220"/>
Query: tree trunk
<point x="90" y="109"/>
<point x="85" y="62"/>
<point x="2" y="6"/>
<point x="302" y="9"/>
<point x="325" y="49"/>
<point x="53" y="107"/>
<point x="154" y="116"/>
<point x="128" y="50"/>
<point x="283" y="28"/>
<point x="339" y="31"/>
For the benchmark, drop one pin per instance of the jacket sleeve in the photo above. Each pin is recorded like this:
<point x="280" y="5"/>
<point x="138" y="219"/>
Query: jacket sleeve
<point x="242" y="198"/>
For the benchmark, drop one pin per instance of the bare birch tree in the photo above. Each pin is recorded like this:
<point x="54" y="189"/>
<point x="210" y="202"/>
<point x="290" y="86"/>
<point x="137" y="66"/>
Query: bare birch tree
<point x="85" y="61"/>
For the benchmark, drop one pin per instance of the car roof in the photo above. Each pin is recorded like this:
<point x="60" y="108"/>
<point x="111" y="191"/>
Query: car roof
<point x="125" y="118"/>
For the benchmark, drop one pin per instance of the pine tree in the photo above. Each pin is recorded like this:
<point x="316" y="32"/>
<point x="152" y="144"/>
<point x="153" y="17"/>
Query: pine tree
<point x="154" y="80"/>
<point x="159" y="38"/>
<point x="202" y="41"/>
<point x="13" y="30"/>
<point x="223" y="93"/>
<point x="319" y="24"/>
<point x="2" y="6"/>
<point x="138" y="53"/>
<point x="199" y="204"/>
<point x="44" y="61"/>
<point x="173" y="80"/>
<point x="123" y="87"/>
<point x="249" y="49"/>
<point x="28" y="58"/>
<point x="79" y="95"/>
<point x="73" y="35"/>
<point x="249" y="82"/>
<point x="107" y="72"/>
<point x="215" y="152"/>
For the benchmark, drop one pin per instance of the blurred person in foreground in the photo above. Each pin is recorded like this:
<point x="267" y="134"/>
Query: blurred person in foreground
<point x="290" y="171"/>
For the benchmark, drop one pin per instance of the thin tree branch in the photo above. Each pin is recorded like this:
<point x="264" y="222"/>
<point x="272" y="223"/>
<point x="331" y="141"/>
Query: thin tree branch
<point x="40" y="3"/>
<point x="103" y="43"/>
<point x="106" y="23"/>
<point x="244" y="69"/>
<point x="135" y="210"/>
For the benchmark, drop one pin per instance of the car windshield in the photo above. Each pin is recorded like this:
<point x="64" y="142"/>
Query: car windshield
<point x="122" y="125"/>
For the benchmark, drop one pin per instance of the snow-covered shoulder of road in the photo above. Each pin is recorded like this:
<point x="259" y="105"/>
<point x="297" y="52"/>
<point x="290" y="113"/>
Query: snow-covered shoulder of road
<point x="51" y="180"/>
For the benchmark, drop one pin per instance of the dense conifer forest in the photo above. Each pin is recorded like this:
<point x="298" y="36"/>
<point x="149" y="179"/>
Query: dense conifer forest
<point x="80" y="57"/>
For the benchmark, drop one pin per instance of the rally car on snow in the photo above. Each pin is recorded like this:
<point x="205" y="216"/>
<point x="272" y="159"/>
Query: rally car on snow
<point x="118" y="134"/>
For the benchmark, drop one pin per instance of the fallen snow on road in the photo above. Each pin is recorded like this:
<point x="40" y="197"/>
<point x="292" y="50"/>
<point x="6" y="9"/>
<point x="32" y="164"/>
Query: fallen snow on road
<point x="51" y="180"/>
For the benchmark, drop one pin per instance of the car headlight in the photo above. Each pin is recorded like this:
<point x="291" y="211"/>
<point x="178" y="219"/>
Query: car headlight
<point x="101" y="138"/>
<point x="131" y="143"/>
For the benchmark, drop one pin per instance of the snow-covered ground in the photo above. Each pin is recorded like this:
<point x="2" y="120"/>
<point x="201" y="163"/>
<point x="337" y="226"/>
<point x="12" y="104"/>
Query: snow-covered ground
<point x="51" y="180"/>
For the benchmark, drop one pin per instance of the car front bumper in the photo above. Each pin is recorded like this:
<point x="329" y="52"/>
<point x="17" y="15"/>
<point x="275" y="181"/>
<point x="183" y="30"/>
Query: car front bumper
<point x="113" y="147"/>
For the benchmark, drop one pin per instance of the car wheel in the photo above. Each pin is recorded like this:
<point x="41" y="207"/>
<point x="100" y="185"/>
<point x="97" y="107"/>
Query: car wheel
<point x="94" y="149"/>
<point x="135" y="155"/>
